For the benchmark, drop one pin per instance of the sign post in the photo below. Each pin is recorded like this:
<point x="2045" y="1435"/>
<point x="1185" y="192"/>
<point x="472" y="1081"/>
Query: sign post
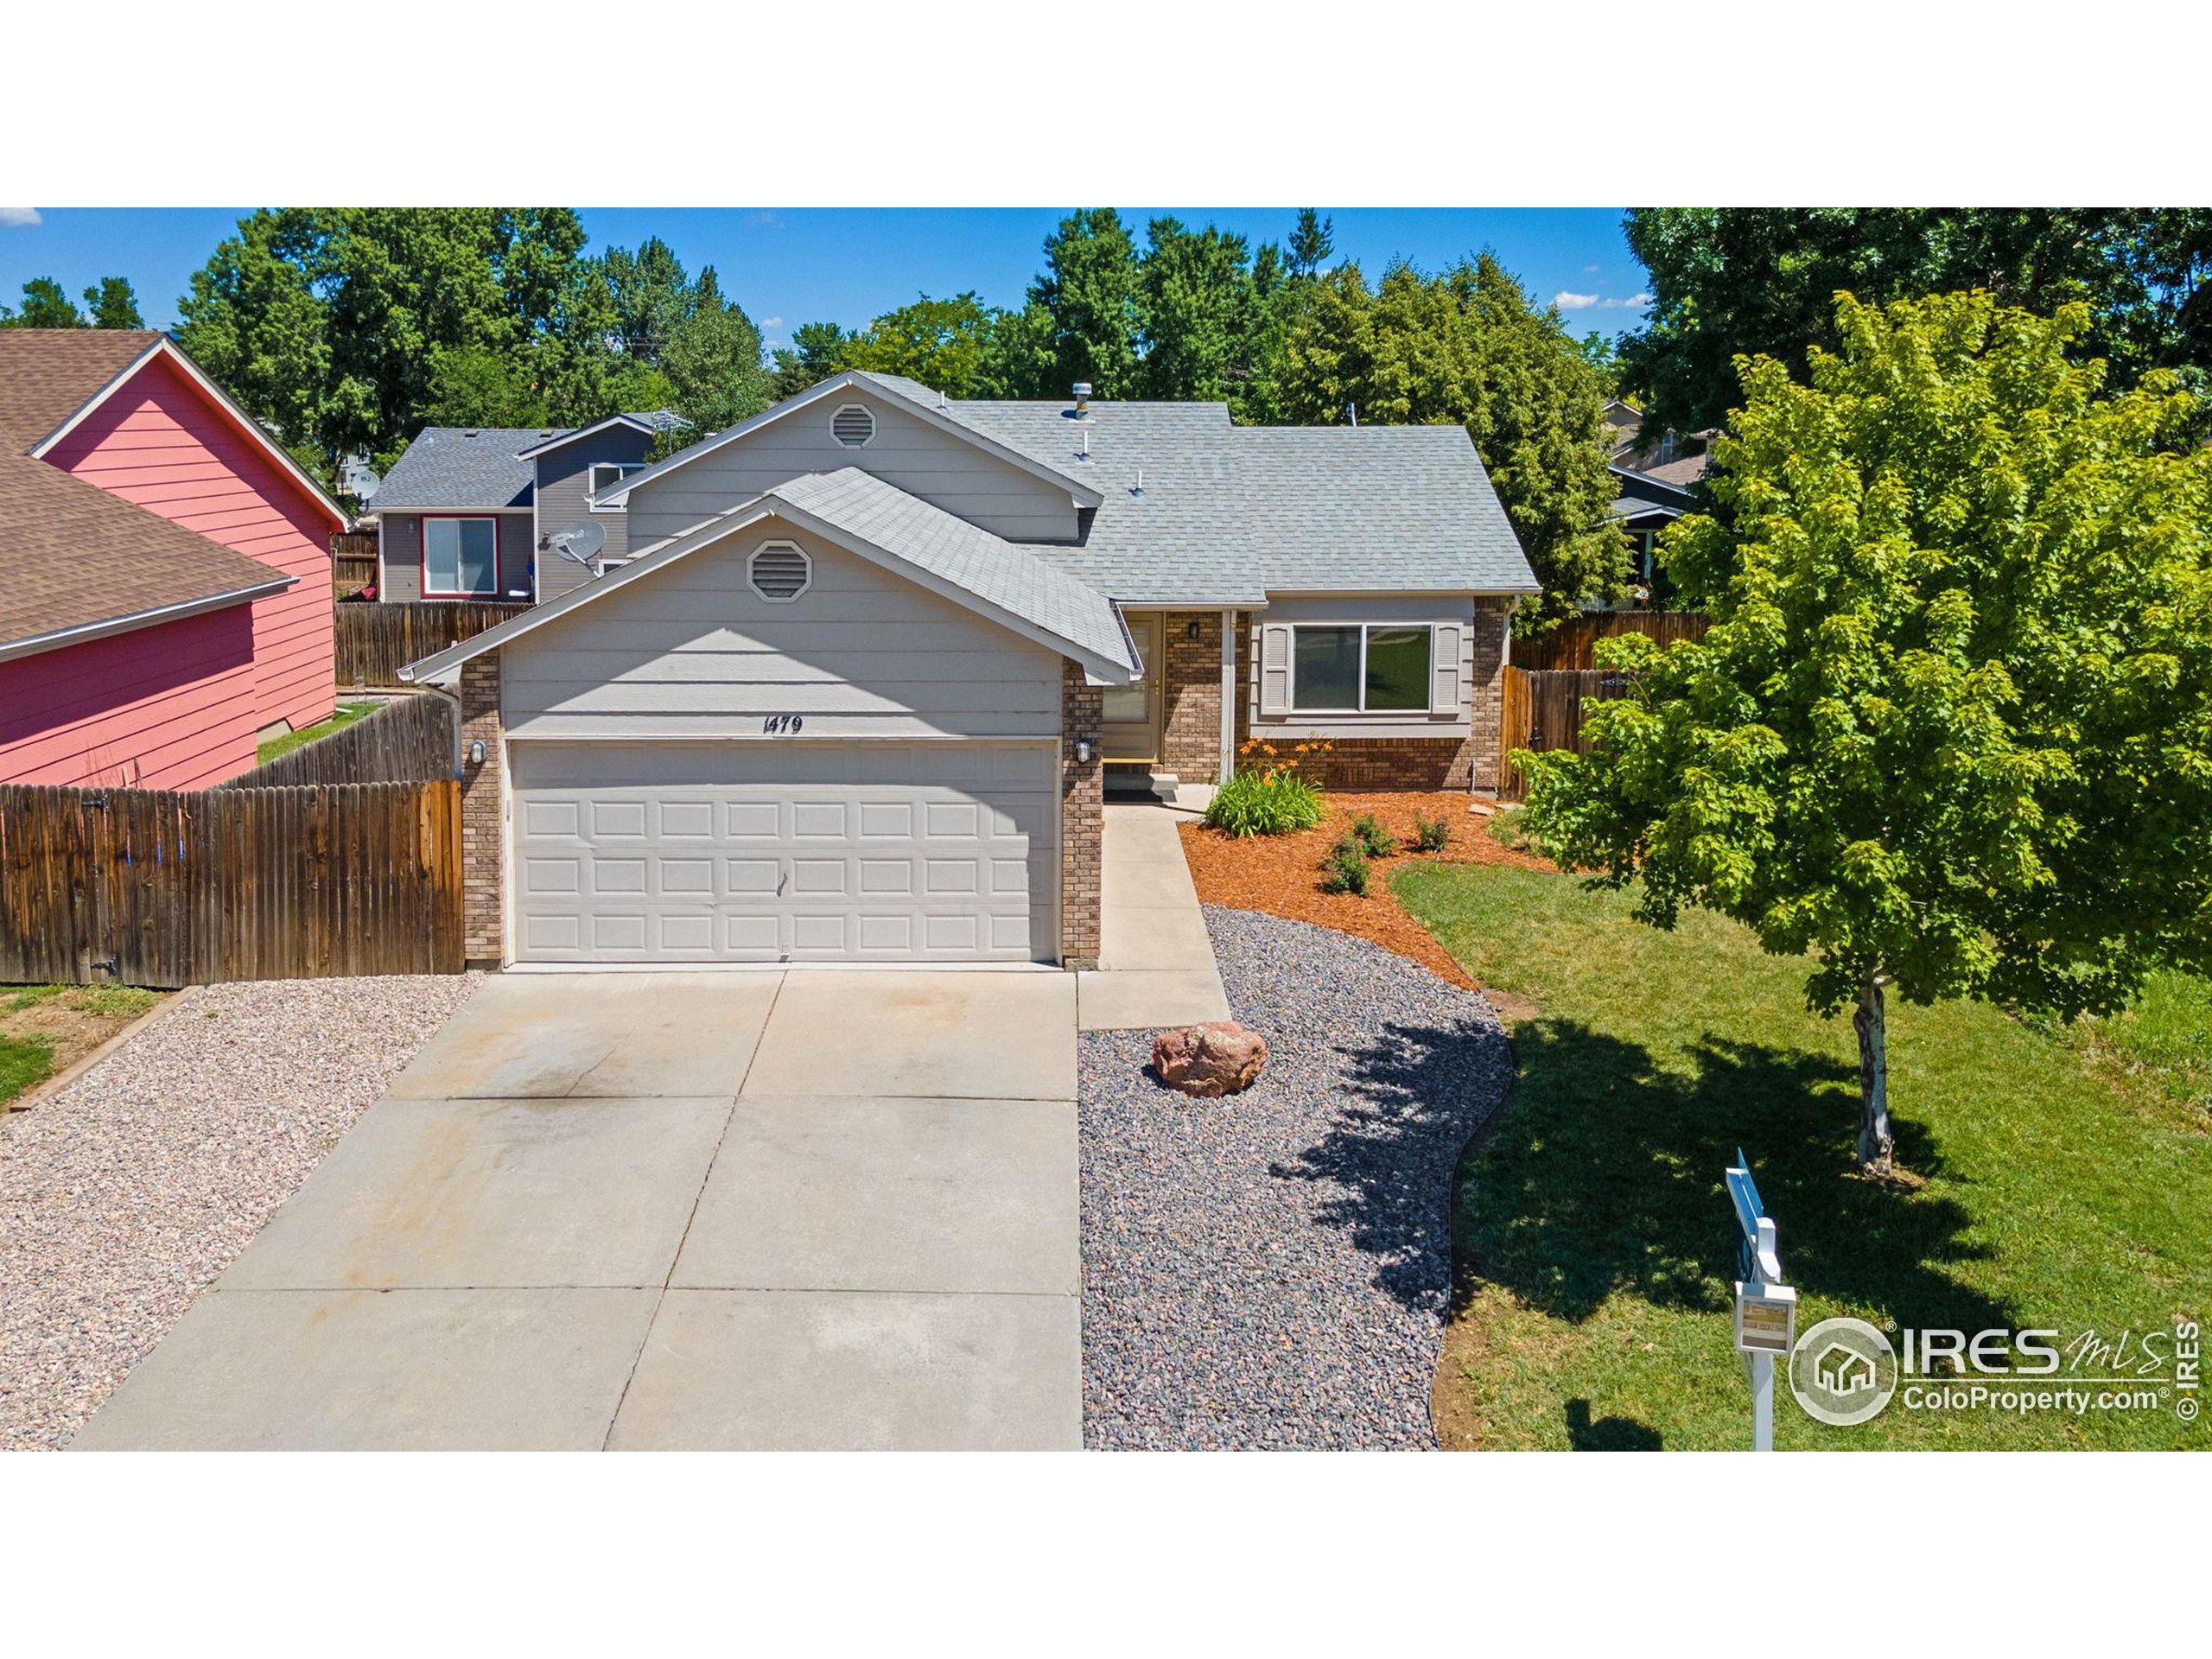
<point x="1766" y="1309"/>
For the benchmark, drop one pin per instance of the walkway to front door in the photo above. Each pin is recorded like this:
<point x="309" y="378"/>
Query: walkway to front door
<point x="1156" y="960"/>
<point x="812" y="1210"/>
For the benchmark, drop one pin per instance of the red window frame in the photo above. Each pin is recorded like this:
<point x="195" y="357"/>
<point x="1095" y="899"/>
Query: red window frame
<point x="423" y="557"/>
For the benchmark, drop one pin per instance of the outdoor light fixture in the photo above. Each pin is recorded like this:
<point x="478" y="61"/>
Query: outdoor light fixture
<point x="476" y="752"/>
<point x="1083" y="751"/>
<point x="1192" y="633"/>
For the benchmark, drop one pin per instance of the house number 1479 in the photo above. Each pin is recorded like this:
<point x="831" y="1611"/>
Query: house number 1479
<point x="774" y="724"/>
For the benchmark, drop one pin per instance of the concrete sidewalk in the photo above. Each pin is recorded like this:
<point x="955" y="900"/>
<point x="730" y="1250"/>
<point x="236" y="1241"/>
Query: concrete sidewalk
<point x="1156" y="966"/>
<point x="668" y="1210"/>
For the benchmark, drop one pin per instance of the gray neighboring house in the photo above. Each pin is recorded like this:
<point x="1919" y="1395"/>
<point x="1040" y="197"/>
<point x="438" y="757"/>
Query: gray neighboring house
<point x="858" y="692"/>
<point x="464" y="511"/>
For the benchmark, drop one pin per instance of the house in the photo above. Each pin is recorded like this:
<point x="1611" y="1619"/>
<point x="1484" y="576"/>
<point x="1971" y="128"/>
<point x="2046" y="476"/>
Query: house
<point x="856" y="693"/>
<point x="1657" y="478"/>
<point x="466" y="511"/>
<point x="167" y="592"/>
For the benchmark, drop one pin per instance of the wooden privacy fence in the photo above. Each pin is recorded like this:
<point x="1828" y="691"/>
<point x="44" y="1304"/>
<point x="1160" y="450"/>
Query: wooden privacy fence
<point x="1571" y="644"/>
<point x="353" y="563"/>
<point x="163" y="888"/>
<point x="374" y="642"/>
<point x="1543" y="710"/>
<point x="407" y="740"/>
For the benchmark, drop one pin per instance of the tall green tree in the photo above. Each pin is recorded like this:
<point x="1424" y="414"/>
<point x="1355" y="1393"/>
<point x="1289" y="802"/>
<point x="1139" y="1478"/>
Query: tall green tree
<point x="1313" y="240"/>
<point x="1735" y="281"/>
<point x="713" y="361"/>
<point x="816" y="351"/>
<point x="112" y="305"/>
<point x="1197" y="307"/>
<point x="941" y="343"/>
<point x="1951" y="733"/>
<point x="1091" y="289"/>
<point x="46" y="305"/>
<point x="1467" y="348"/>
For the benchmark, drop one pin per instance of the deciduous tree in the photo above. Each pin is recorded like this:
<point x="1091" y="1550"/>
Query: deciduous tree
<point x="1951" y="731"/>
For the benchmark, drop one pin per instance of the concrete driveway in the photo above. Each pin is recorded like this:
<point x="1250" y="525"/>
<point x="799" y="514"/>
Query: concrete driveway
<point x="830" y="1209"/>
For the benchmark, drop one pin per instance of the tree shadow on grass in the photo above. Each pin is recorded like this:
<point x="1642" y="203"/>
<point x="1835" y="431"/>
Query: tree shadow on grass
<point x="1603" y="1175"/>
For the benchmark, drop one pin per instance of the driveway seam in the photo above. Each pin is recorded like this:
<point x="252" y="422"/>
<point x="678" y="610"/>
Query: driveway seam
<point x="676" y="1255"/>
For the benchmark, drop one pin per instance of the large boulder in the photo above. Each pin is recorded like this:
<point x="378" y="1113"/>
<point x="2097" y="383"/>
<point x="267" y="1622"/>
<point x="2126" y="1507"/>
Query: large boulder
<point x="1219" y="1058"/>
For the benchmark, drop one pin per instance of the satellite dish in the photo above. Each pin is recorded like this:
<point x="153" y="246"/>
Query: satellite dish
<point x="581" y="542"/>
<point x="362" y="483"/>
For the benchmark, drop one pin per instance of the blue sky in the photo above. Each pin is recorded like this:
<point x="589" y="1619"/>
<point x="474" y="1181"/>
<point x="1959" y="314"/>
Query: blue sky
<point x="792" y="266"/>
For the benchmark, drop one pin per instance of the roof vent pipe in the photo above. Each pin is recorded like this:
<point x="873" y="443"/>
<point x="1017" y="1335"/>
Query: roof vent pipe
<point x="1081" y="398"/>
<point x="1082" y="444"/>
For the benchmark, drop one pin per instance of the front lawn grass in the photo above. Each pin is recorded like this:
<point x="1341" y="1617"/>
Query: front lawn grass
<point x="2054" y="1179"/>
<point x="45" y="1027"/>
<point x="345" y="716"/>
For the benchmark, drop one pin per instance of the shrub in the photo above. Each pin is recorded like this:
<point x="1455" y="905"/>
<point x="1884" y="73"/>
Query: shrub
<point x="1345" y="868"/>
<point x="1431" y="835"/>
<point x="1374" y="840"/>
<point x="1273" y="802"/>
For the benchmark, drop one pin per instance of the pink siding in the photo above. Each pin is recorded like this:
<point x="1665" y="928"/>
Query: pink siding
<point x="161" y="442"/>
<point x="162" y="708"/>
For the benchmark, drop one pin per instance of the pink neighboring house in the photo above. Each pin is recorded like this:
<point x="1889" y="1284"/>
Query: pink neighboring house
<point x="170" y="595"/>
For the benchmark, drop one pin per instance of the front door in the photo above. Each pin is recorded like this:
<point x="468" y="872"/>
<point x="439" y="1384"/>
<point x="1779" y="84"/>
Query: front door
<point x="1129" y="727"/>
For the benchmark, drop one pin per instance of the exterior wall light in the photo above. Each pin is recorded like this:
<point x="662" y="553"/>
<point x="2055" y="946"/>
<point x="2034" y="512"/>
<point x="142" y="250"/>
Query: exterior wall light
<point x="476" y="752"/>
<point x="1083" y="751"/>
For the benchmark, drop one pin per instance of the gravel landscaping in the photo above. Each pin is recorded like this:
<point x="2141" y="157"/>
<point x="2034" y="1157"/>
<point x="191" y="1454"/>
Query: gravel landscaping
<point x="125" y="1194"/>
<point x="1272" y="1269"/>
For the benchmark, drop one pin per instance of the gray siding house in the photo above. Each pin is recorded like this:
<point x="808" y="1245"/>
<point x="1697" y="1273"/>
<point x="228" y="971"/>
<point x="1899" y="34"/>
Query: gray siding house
<point x="466" y="511"/>
<point x="858" y="690"/>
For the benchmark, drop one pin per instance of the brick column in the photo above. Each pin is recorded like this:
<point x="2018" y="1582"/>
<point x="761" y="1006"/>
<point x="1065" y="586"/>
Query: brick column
<point x="1190" y="742"/>
<point x="1083" y="819"/>
<point x="1492" y="617"/>
<point x="483" y="827"/>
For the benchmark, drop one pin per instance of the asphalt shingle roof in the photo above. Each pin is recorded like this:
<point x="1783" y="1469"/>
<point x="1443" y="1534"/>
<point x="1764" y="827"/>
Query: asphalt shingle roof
<point x="77" y="555"/>
<point x="1012" y="578"/>
<point x="463" y="467"/>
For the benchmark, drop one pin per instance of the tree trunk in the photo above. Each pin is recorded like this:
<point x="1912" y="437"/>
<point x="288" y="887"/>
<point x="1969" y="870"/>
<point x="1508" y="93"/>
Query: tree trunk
<point x="1875" y="1145"/>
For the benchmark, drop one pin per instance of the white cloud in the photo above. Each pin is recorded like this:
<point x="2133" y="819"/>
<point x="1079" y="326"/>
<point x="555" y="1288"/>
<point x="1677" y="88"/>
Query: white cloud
<point x="1589" y="270"/>
<point x="14" y="218"/>
<point x="1566" y="302"/>
<point x="772" y="322"/>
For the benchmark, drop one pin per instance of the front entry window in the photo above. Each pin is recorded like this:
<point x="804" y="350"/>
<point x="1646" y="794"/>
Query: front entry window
<point x="461" y="558"/>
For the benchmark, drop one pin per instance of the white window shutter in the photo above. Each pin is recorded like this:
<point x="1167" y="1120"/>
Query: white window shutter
<point x="1274" y="668"/>
<point x="1447" y="683"/>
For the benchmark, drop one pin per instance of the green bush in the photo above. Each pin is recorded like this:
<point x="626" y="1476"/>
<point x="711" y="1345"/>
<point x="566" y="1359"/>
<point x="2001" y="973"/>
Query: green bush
<point x="1345" y="868"/>
<point x="1431" y="835"/>
<point x="1374" y="840"/>
<point x="1265" y="802"/>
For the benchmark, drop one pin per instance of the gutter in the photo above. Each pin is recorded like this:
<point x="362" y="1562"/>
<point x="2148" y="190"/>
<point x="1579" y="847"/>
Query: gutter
<point x="86" y="632"/>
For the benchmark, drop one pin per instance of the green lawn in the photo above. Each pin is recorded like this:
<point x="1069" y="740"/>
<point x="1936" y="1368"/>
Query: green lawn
<point x="346" y="714"/>
<point x="2058" y="1180"/>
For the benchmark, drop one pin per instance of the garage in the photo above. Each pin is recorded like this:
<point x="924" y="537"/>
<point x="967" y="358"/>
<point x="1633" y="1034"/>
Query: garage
<point x="785" y="851"/>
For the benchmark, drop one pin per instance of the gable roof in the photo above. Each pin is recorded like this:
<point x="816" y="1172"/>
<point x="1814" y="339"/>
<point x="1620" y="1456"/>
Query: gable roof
<point x="52" y="378"/>
<point x="650" y="421"/>
<point x="862" y="513"/>
<point x="911" y="395"/>
<point x="81" y="564"/>
<point x="448" y="468"/>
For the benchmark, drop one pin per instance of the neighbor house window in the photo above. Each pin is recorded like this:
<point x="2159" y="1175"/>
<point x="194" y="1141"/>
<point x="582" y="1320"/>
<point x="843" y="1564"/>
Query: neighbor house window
<point x="605" y="475"/>
<point x="461" y="558"/>
<point x="1360" y="668"/>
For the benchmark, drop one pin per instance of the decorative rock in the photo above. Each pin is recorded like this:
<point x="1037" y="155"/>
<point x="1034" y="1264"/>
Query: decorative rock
<point x="1219" y="1058"/>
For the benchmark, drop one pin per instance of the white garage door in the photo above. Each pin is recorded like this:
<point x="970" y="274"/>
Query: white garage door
<point x="785" y="852"/>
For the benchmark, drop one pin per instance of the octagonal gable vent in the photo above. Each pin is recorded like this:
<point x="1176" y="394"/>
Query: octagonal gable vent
<point x="853" y="425"/>
<point x="780" y="573"/>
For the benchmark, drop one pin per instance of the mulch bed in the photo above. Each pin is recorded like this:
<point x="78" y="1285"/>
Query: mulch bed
<point x="1281" y="874"/>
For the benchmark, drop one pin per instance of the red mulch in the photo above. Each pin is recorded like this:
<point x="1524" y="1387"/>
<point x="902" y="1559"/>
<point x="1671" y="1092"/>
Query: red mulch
<point x="1281" y="874"/>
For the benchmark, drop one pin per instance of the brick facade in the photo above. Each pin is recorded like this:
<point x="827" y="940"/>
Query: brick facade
<point x="1083" y="819"/>
<point x="1190" y="739"/>
<point x="483" y="822"/>
<point x="1382" y="763"/>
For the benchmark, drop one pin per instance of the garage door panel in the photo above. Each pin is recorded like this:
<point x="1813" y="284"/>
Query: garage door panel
<point x="770" y="852"/>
